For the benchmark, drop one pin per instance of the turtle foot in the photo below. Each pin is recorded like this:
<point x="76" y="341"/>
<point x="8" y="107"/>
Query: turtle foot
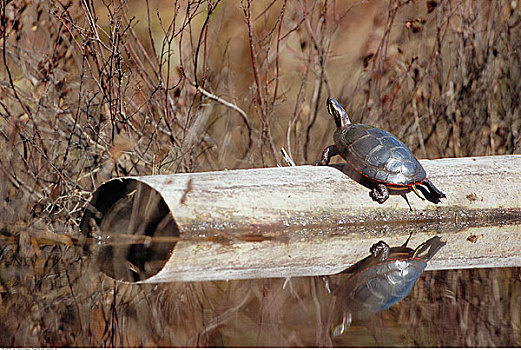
<point x="327" y="154"/>
<point x="379" y="193"/>
<point x="380" y="250"/>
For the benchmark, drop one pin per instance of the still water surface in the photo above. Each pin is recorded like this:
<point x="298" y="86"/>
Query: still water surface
<point x="51" y="295"/>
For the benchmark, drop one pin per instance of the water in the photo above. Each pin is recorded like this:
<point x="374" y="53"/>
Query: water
<point x="53" y="295"/>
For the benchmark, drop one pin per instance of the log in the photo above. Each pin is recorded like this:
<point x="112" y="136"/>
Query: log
<point x="297" y="221"/>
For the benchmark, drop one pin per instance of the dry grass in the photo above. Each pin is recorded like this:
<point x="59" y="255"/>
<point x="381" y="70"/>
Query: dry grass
<point x="91" y="90"/>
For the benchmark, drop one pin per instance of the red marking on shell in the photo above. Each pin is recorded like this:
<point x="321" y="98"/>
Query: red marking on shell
<point x="385" y="183"/>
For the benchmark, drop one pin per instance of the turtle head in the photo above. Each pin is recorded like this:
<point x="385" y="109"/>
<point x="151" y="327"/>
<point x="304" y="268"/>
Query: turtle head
<point x="343" y="326"/>
<point x="337" y="112"/>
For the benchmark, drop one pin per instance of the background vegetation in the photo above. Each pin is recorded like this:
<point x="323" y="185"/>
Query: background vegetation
<point x="91" y="90"/>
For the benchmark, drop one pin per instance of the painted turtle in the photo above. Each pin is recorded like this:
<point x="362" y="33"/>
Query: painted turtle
<point x="379" y="156"/>
<point x="380" y="280"/>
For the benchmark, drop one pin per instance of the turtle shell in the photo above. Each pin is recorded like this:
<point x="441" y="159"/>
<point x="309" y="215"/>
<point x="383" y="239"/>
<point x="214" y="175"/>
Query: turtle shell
<point x="378" y="155"/>
<point x="376" y="285"/>
<point x="382" y="284"/>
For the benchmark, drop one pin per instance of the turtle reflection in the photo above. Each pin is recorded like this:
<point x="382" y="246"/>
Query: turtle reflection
<point x="380" y="280"/>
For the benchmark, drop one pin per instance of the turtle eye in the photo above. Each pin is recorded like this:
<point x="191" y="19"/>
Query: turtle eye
<point x="332" y="108"/>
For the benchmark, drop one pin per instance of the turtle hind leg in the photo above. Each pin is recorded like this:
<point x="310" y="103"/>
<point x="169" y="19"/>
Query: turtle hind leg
<point x="407" y="201"/>
<point x="327" y="154"/>
<point x="433" y="195"/>
<point x="408" y="239"/>
<point x="379" y="193"/>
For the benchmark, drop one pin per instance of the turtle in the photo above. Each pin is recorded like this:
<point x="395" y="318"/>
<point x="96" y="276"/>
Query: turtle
<point x="379" y="157"/>
<point x="380" y="280"/>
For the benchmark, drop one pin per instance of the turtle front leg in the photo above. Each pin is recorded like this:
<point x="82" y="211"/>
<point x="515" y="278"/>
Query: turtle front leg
<point x="329" y="152"/>
<point x="330" y="287"/>
<point x="379" y="193"/>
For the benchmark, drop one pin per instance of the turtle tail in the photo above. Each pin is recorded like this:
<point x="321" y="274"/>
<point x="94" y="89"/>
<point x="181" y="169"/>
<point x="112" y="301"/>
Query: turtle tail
<point x="431" y="246"/>
<point x="432" y="194"/>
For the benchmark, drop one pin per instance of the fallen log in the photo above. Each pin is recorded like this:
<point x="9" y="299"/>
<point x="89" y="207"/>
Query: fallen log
<point x="294" y="221"/>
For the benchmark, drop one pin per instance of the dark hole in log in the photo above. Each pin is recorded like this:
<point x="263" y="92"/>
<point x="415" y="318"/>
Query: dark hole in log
<point x="130" y="229"/>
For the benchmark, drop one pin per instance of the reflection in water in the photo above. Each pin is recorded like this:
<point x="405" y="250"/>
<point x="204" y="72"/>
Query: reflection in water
<point x="380" y="280"/>
<point x="50" y="296"/>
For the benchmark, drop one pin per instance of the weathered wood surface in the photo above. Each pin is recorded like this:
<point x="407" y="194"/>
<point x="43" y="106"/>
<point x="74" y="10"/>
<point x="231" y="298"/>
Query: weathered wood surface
<point x="494" y="247"/>
<point x="314" y="195"/>
<point x="329" y="221"/>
